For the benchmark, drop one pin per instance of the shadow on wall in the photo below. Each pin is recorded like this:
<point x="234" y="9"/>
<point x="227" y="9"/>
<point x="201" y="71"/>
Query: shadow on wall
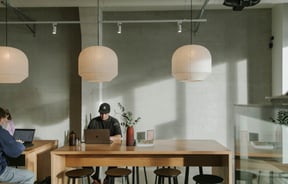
<point x="169" y="130"/>
<point x="47" y="113"/>
<point x="30" y="105"/>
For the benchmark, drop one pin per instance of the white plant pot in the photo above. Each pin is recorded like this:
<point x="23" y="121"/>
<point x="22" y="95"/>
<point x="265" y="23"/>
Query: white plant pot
<point x="282" y="142"/>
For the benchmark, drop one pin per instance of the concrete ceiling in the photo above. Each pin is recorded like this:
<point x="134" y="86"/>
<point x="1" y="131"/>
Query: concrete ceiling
<point x="135" y="5"/>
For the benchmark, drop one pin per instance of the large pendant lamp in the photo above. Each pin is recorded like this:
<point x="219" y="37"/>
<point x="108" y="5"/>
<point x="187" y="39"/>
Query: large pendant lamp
<point x="98" y="63"/>
<point x="13" y="62"/>
<point x="191" y="62"/>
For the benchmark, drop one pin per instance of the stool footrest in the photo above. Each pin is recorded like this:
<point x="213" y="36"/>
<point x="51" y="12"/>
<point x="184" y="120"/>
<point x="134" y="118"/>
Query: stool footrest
<point x="207" y="178"/>
<point x="118" y="172"/>
<point x="78" y="173"/>
<point x="167" y="172"/>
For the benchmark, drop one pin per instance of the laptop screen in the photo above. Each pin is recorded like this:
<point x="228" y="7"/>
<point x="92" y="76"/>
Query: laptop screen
<point x="26" y="135"/>
<point x="97" y="136"/>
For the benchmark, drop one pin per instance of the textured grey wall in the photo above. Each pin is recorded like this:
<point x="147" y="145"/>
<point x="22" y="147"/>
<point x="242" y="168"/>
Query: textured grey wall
<point x="241" y="73"/>
<point x="238" y="42"/>
<point x="50" y="97"/>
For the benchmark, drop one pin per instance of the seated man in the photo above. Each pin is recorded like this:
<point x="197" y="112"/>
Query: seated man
<point x="105" y="121"/>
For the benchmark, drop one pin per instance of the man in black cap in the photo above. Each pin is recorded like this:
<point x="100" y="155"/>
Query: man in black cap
<point x="105" y="121"/>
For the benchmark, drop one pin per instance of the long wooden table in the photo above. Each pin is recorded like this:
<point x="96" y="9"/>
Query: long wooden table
<point x="36" y="158"/>
<point x="162" y="153"/>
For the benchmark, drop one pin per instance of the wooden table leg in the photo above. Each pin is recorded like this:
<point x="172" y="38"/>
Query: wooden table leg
<point x="57" y="168"/>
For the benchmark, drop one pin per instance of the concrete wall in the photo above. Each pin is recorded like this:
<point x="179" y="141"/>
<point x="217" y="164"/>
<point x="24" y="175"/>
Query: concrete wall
<point x="238" y="42"/>
<point x="50" y="98"/>
<point x="280" y="54"/>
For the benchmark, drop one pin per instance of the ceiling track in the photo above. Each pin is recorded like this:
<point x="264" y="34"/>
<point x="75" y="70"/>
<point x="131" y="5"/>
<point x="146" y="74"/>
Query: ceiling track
<point x="28" y="21"/>
<point x="106" y="21"/>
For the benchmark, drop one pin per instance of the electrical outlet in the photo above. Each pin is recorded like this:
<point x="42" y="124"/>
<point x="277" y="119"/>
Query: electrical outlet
<point x="253" y="136"/>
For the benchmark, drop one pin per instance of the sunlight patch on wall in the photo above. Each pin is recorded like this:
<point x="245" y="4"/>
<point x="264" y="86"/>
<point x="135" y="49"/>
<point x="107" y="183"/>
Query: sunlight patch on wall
<point x="206" y="105"/>
<point x="156" y="103"/>
<point x="285" y="71"/>
<point x="91" y="92"/>
<point x="60" y="130"/>
<point x="115" y="110"/>
<point x="241" y="82"/>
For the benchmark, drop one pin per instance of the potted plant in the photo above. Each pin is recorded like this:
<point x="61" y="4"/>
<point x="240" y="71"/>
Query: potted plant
<point x="282" y="117"/>
<point x="128" y="121"/>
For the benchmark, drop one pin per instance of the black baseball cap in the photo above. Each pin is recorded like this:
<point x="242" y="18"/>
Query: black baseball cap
<point x="104" y="108"/>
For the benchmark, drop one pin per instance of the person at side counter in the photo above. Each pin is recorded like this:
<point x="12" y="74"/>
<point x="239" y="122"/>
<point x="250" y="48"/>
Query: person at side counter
<point x="11" y="148"/>
<point x="105" y="121"/>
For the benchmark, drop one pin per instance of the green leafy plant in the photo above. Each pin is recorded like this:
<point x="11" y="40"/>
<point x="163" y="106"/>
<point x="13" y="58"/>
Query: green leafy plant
<point x="127" y="117"/>
<point x="282" y="118"/>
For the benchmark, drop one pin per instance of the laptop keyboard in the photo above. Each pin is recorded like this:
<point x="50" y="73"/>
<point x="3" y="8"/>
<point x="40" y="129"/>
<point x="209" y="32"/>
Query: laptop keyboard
<point x="27" y="144"/>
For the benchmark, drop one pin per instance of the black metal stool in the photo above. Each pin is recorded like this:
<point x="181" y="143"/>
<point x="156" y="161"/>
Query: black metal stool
<point x="207" y="178"/>
<point x="169" y="173"/>
<point x="137" y="175"/>
<point x="118" y="172"/>
<point x="79" y="173"/>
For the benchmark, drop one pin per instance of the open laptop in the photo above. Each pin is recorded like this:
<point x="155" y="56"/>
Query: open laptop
<point x="26" y="135"/>
<point x="97" y="136"/>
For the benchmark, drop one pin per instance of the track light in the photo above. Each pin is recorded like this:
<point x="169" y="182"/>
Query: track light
<point x="119" y="24"/>
<point x="179" y="27"/>
<point x="54" y="28"/>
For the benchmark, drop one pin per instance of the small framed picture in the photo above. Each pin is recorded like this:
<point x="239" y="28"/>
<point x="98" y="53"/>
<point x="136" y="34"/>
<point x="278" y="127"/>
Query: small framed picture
<point x="141" y="136"/>
<point x="150" y="135"/>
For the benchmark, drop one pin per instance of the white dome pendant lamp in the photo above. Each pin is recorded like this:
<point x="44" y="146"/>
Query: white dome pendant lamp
<point x="13" y="62"/>
<point x="191" y="62"/>
<point x="98" y="63"/>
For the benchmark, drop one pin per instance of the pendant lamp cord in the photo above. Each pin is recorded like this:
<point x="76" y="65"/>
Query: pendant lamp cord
<point x="191" y="24"/>
<point x="98" y="22"/>
<point x="6" y="24"/>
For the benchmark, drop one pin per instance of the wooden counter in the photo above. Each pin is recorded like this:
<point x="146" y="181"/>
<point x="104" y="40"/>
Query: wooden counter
<point x="37" y="158"/>
<point x="162" y="153"/>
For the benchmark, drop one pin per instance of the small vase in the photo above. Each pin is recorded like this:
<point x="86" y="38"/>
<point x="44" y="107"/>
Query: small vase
<point x="130" y="136"/>
<point x="72" y="138"/>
